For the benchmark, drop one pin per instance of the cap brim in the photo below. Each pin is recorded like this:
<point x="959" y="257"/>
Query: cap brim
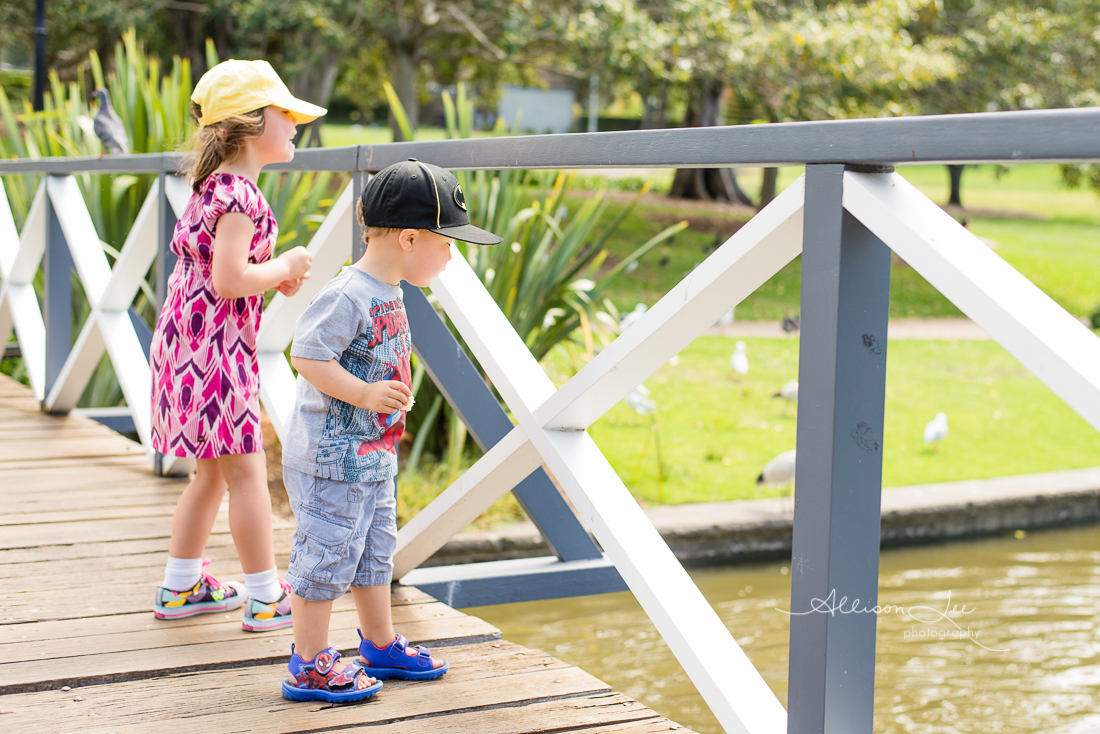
<point x="470" y="233"/>
<point x="303" y="111"/>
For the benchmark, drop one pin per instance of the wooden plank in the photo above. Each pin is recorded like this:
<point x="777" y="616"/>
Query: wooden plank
<point x="93" y="637"/>
<point x="99" y="549"/>
<point x="183" y="650"/>
<point x="143" y="619"/>
<point x="64" y="515"/>
<point x="60" y="474"/>
<point x="90" y="500"/>
<point x="482" y="677"/>
<point x="18" y="451"/>
<point x="93" y="531"/>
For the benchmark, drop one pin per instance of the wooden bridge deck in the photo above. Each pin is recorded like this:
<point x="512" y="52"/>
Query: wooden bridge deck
<point x="83" y="535"/>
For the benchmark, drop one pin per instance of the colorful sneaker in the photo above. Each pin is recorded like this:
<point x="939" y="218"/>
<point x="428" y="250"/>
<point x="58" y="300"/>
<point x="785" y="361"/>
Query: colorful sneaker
<point x="314" y="680"/>
<point x="395" y="660"/>
<point x="208" y="595"/>
<point x="261" y="617"/>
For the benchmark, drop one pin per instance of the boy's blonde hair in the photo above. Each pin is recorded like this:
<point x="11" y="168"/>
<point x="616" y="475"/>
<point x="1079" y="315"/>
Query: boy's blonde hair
<point x="219" y="142"/>
<point x="369" y="232"/>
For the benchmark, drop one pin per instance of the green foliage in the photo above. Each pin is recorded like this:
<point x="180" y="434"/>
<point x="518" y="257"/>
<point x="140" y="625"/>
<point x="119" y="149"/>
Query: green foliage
<point x="154" y="106"/>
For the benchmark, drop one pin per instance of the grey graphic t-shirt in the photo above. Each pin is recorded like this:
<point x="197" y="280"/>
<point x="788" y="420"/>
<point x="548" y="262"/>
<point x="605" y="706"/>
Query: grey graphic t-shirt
<point x="360" y="321"/>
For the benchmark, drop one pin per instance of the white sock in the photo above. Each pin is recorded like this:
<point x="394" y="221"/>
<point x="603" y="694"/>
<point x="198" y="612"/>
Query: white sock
<point x="181" y="574"/>
<point x="264" y="586"/>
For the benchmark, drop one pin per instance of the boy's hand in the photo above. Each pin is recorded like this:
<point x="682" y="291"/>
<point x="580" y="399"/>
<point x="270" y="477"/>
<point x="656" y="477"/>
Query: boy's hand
<point x="386" y="396"/>
<point x="289" y="287"/>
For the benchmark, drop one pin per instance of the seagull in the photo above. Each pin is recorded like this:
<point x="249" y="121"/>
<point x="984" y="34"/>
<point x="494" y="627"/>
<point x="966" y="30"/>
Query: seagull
<point x="936" y="430"/>
<point x="108" y="125"/>
<point x="628" y="319"/>
<point x="726" y="319"/>
<point x="739" y="360"/>
<point x="639" y="400"/>
<point x="779" y="472"/>
<point x="788" y="392"/>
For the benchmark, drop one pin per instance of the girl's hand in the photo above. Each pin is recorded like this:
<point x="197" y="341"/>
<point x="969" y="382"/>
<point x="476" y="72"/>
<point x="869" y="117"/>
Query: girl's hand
<point x="386" y="396"/>
<point x="297" y="260"/>
<point x="289" y="287"/>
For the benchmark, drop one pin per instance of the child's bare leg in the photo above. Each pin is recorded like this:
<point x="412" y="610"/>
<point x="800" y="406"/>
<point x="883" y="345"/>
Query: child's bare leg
<point x="196" y="511"/>
<point x="372" y="603"/>
<point x="311" y="620"/>
<point x="249" y="510"/>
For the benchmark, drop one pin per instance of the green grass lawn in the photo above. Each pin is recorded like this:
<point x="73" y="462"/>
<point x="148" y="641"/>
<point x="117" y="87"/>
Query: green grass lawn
<point x="1060" y="253"/>
<point x="334" y="136"/>
<point x="715" y="439"/>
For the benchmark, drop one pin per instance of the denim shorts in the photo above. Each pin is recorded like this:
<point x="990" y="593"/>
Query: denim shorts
<point x="346" y="535"/>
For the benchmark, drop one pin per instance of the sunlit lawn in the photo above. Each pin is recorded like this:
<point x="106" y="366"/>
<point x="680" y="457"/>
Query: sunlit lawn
<point x="717" y="430"/>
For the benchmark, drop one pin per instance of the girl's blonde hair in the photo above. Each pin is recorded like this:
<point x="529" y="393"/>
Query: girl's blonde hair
<point x="220" y="142"/>
<point x="369" y="232"/>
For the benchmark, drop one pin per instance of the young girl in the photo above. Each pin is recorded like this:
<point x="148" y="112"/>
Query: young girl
<point x="205" y="376"/>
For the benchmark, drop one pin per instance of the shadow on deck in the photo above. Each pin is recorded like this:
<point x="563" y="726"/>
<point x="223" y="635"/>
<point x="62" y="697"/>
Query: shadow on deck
<point x="84" y="531"/>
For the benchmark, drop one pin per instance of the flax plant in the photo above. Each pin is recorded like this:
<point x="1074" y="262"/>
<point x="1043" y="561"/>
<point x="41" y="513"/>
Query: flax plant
<point x="551" y="273"/>
<point x="154" y="105"/>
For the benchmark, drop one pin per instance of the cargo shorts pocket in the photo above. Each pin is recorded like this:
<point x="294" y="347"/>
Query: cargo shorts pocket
<point x="320" y="550"/>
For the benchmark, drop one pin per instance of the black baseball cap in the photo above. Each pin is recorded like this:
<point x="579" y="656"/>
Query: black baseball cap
<point x="418" y="195"/>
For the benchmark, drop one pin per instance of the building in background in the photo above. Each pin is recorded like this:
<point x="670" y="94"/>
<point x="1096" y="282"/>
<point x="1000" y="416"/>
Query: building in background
<point x="543" y="110"/>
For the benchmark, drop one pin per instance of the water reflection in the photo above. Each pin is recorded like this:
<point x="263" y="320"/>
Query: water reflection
<point x="1021" y="653"/>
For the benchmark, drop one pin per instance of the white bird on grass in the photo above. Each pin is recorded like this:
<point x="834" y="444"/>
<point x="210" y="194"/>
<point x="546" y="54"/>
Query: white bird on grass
<point x="779" y="472"/>
<point x="935" y="430"/>
<point x="788" y="392"/>
<point x="739" y="360"/>
<point x="639" y="400"/>
<point x="629" y="318"/>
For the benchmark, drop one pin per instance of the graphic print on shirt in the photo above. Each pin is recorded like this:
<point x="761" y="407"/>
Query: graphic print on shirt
<point x="359" y="445"/>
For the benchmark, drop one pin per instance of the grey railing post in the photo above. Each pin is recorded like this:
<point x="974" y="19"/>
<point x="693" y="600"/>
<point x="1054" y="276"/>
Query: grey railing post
<point x="358" y="247"/>
<point x="842" y="379"/>
<point x="57" y="313"/>
<point x="166" y="262"/>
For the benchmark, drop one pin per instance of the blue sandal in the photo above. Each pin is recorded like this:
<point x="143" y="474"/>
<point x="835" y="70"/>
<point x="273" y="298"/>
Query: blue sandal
<point x="314" y="680"/>
<point x="396" y="660"/>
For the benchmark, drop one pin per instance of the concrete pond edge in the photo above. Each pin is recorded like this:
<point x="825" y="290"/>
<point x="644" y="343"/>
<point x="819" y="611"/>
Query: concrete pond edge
<point x="742" y="531"/>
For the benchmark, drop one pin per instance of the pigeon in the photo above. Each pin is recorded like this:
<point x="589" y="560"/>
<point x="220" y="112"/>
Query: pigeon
<point x="791" y="324"/>
<point x="779" y="472"/>
<point x="788" y="392"/>
<point x="739" y="360"/>
<point x="639" y="400"/>
<point x="629" y="318"/>
<point x="936" y="429"/>
<point x="108" y="125"/>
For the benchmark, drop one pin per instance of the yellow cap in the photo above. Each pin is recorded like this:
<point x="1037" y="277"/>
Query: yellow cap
<point x="234" y="87"/>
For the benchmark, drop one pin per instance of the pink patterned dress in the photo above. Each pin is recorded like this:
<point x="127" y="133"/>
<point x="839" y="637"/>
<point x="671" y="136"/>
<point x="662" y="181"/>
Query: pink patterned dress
<point x="206" y="382"/>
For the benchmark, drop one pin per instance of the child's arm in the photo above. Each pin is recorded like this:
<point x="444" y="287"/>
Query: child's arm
<point x="385" y="396"/>
<point x="234" y="276"/>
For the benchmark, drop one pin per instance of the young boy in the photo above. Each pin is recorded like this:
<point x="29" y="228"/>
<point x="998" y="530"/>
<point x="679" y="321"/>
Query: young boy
<point x="351" y="349"/>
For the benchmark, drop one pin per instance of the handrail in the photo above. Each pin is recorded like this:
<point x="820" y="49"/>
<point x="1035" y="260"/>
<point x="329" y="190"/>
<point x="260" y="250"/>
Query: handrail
<point x="1067" y="135"/>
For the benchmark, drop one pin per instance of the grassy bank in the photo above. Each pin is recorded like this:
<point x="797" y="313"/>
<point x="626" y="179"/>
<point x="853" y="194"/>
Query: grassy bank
<point x="714" y="440"/>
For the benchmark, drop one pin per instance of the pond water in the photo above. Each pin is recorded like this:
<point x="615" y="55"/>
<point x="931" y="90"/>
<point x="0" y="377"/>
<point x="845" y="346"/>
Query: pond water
<point x="1029" y="663"/>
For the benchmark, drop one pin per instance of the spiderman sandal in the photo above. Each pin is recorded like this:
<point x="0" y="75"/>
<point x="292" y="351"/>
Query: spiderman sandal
<point x="314" y="680"/>
<point x="396" y="660"/>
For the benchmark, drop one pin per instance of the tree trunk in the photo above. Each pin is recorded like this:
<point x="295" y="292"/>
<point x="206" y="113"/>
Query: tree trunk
<point x="315" y="86"/>
<point x="704" y="110"/>
<point x="403" y="74"/>
<point x="767" y="186"/>
<point x="956" y="173"/>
